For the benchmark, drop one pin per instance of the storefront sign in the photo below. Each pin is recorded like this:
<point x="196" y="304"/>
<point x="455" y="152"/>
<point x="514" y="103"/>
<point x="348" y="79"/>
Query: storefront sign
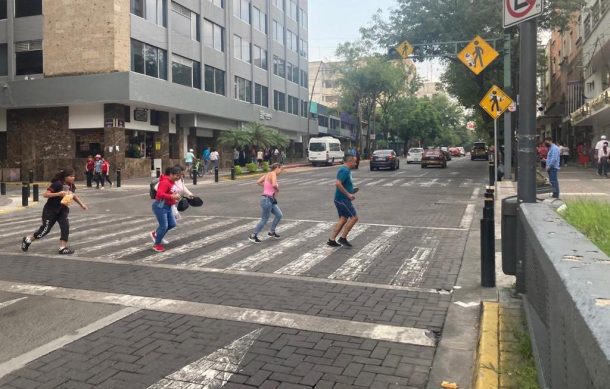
<point x="140" y="115"/>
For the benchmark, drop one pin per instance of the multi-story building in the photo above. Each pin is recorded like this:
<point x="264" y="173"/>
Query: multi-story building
<point x="593" y="117"/>
<point x="141" y="81"/>
<point x="324" y="83"/>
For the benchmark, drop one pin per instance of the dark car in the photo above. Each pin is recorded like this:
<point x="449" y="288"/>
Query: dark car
<point x="479" y="151"/>
<point x="433" y="157"/>
<point x="385" y="159"/>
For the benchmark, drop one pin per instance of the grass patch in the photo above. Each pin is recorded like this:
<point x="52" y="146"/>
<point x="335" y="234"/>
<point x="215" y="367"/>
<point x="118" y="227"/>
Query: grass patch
<point x="592" y="218"/>
<point x="525" y="373"/>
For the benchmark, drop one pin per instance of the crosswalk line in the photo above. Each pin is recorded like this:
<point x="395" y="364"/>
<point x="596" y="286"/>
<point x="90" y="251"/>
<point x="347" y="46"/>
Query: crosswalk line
<point x="5" y="304"/>
<point x="361" y="182"/>
<point x="137" y="249"/>
<point x="308" y="182"/>
<point x="374" y="182"/>
<point x="198" y="244"/>
<point x="430" y="183"/>
<point x="33" y="227"/>
<point x="408" y="183"/>
<point x="16" y="222"/>
<point x="223" y="252"/>
<point x="311" y="258"/>
<point x="411" y="272"/>
<point x="252" y="262"/>
<point x="101" y="233"/>
<point x="394" y="182"/>
<point x="467" y="183"/>
<point x="211" y="371"/>
<point x="360" y="262"/>
<point x="325" y="181"/>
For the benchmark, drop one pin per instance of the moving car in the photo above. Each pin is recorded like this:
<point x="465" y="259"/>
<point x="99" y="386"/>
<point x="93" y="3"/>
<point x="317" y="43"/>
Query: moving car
<point x="455" y="152"/>
<point x="325" y="150"/>
<point x="384" y="159"/>
<point x="479" y="151"/>
<point x="414" y="155"/>
<point x="433" y="157"/>
<point x="462" y="151"/>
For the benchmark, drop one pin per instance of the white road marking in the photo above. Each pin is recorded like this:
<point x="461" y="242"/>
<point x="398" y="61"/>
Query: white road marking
<point x="468" y="216"/>
<point x="5" y="304"/>
<point x="467" y="183"/>
<point x="228" y="250"/>
<point x="15" y="222"/>
<point x="360" y="182"/>
<point x="374" y="182"/>
<point x="252" y="262"/>
<point x="467" y="305"/>
<point x="412" y="270"/>
<point x="393" y="182"/>
<point x="311" y="258"/>
<point x="360" y="262"/>
<point x="383" y="332"/>
<point x="408" y="183"/>
<point x="35" y="290"/>
<point x="475" y="194"/>
<point x="197" y="244"/>
<point x="326" y="181"/>
<point x="211" y="371"/>
<point x="429" y="184"/>
<point x="34" y="227"/>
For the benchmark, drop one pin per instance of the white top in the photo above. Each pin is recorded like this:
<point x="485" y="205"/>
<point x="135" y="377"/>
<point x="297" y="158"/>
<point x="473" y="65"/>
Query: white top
<point x="565" y="150"/>
<point x="259" y="155"/>
<point x="600" y="152"/>
<point x="214" y="156"/>
<point x="600" y="144"/>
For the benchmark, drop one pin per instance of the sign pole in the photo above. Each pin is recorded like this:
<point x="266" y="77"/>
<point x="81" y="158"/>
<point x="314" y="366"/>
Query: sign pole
<point x="496" y="156"/>
<point x="508" y="132"/>
<point x="526" y="135"/>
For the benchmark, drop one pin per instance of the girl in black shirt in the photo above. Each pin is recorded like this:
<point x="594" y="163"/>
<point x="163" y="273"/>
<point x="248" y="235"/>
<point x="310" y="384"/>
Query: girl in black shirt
<point x="56" y="211"/>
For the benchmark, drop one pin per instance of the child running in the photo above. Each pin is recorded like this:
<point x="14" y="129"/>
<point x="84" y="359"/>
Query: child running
<point x="56" y="210"/>
<point x="162" y="206"/>
<point x="269" y="203"/>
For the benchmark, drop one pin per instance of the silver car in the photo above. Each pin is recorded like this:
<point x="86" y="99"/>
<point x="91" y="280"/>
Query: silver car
<point x="414" y="155"/>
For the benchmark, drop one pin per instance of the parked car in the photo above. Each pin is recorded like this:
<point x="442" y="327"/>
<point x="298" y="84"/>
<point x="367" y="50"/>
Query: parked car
<point x="433" y="157"/>
<point x="384" y="159"/>
<point x="414" y="155"/>
<point x="455" y="152"/>
<point x="462" y="151"/>
<point x="325" y="150"/>
<point x="479" y="151"/>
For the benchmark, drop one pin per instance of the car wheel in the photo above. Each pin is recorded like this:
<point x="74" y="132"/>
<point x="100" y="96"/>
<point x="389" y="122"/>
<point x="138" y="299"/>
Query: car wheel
<point x="398" y="166"/>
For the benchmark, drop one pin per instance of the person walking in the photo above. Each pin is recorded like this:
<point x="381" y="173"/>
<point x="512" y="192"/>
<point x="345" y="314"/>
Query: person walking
<point x="206" y="159"/>
<point x="259" y="158"/>
<point x="602" y="160"/>
<point x="89" y="168"/>
<point x="214" y="158"/>
<point x="106" y="171"/>
<point x="599" y="145"/>
<point x="542" y="154"/>
<point x="97" y="172"/>
<point x="235" y="157"/>
<point x="60" y="194"/>
<point x="162" y="206"/>
<point x="268" y="203"/>
<point x="552" y="165"/>
<point x="189" y="157"/>
<point x="344" y="196"/>
<point x="565" y="154"/>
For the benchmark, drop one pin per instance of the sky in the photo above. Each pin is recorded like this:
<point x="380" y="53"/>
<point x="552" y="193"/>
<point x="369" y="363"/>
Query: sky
<point x="337" y="21"/>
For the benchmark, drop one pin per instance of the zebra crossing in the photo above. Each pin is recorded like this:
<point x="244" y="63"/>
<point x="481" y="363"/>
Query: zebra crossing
<point x="420" y="182"/>
<point x="220" y="244"/>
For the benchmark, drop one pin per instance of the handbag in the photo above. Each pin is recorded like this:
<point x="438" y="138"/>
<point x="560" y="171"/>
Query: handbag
<point x="195" y="201"/>
<point x="67" y="200"/>
<point x="182" y="205"/>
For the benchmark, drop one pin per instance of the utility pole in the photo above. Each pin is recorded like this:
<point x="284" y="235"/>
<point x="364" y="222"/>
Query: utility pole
<point x="508" y="88"/>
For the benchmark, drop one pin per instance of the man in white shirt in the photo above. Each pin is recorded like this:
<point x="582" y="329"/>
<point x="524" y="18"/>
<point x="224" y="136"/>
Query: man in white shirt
<point x="214" y="157"/>
<point x="598" y="146"/>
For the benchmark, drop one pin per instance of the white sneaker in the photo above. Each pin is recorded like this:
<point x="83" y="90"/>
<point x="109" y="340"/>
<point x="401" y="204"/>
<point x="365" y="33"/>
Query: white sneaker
<point x="153" y="236"/>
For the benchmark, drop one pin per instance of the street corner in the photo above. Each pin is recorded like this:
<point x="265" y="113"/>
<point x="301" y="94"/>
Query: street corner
<point x="13" y="204"/>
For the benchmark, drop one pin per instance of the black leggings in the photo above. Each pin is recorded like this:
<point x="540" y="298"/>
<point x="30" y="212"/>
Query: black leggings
<point x="49" y="218"/>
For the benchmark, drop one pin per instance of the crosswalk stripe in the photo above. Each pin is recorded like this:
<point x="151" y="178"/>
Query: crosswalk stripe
<point x="308" y="182"/>
<point x="408" y="183"/>
<point x="137" y="249"/>
<point x="198" y="244"/>
<point x="5" y="304"/>
<point x="311" y="258"/>
<point x="211" y="371"/>
<point x="325" y="181"/>
<point x="265" y="255"/>
<point x="374" y="182"/>
<point x="428" y="184"/>
<point x="16" y="222"/>
<point x="360" y="262"/>
<point x="411" y="272"/>
<point x="467" y="183"/>
<point x="393" y="182"/>
<point x="228" y="250"/>
<point x="33" y="228"/>
<point x="361" y="182"/>
<point x="100" y="233"/>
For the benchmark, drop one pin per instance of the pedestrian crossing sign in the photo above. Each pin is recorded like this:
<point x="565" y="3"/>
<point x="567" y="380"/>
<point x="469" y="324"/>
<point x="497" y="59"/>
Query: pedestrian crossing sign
<point x="404" y="49"/>
<point x="477" y="55"/>
<point x="495" y="102"/>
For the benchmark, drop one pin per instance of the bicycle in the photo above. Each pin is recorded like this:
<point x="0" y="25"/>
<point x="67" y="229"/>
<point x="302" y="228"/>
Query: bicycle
<point x="198" y="167"/>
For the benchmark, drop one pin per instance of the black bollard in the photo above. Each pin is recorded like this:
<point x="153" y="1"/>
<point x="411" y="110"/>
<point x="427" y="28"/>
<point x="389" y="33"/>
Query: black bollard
<point x="25" y="193"/>
<point x="158" y="172"/>
<point x="3" y="188"/>
<point x="31" y="176"/>
<point x="488" y="255"/>
<point x="488" y="208"/>
<point x="233" y="173"/>
<point x="216" y="174"/>
<point x="118" y="178"/>
<point x="35" y="193"/>
<point x="194" y="176"/>
<point x="492" y="175"/>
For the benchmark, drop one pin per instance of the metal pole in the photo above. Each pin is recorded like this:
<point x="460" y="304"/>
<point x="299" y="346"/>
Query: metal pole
<point x="496" y="155"/>
<point x="25" y="193"/>
<point x="216" y="174"/>
<point x="158" y="172"/>
<point x="31" y="176"/>
<point x="508" y="88"/>
<point x="526" y="135"/>
<point x="194" y="173"/>
<point x="35" y="193"/>
<point x="233" y="173"/>
<point x="3" y="188"/>
<point x="118" y="178"/>
<point x="313" y="88"/>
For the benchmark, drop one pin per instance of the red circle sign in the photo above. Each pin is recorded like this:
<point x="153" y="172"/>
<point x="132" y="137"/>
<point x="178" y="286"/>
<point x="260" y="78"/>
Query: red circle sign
<point x="519" y="8"/>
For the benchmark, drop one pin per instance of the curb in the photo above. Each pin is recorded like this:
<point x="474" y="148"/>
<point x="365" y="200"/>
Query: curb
<point x="12" y="207"/>
<point x="487" y="366"/>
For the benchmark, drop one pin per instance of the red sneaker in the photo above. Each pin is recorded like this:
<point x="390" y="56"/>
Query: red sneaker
<point x="159" y="248"/>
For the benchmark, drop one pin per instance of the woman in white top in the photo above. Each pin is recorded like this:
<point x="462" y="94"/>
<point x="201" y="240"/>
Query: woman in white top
<point x="214" y="157"/>
<point x="602" y="159"/>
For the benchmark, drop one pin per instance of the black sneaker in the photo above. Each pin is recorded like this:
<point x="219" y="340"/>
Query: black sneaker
<point x="333" y="243"/>
<point x="343" y="242"/>
<point x="254" y="238"/>
<point x="66" y="250"/>
<point x="25" y="245"/>
<point x="273" y="235"/>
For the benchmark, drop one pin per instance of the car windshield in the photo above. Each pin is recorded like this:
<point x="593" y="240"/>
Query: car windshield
<point x="479" y="145"/>
<point x="317" y="146"/>
<point x="382" y="153"/>
<point x="417" y="150"/>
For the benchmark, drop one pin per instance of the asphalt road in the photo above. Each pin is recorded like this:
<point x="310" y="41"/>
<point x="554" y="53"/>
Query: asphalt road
<point x="217" y="310"/>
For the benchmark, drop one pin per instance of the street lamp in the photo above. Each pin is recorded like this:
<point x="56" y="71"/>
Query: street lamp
<point x="313" y="88"/>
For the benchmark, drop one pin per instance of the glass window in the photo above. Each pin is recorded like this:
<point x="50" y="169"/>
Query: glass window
<point x="154" y="11"/>
<point x="186" y="71"/>
<point x="302" y="18"/>
<point x="279" y="4"/>
<point x="293" y="10"/>
<point x="304" y="79"/>
<point x="241" y="10"/>
<point x="243" y="89"/>
<point x="218" y="3"/>
<point x="259" y="57"/>
<point x="304" y="108"/>
<point x="3" y="59"/>
<point x="261" y="95"/>
<point x="279" y="101"/>
<point x="303" y="48"/>
<point x="213" y="35"/>
<point x="137" y="56"/>
<point x="214" y="80"/>
<point x="3" y="9"/>
<point x="259" y="20"/>
<point x="149" y="60"/>
<point x="162" y="64"/>
<point x="185" y="22"/>
<point x="25" y="8"/>
<point x="291" y="41"/>
<point x="241" y="48"/>
<point x="293" y="105"/>
<point x="137" y="7"/>
<point x="278" y="32"/>
<point x="28" y="58"/>
<point x="279" y="67"/>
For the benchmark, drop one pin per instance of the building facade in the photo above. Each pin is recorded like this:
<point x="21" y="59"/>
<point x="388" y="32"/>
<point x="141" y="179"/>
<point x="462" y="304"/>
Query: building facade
<point x="142" y="81"/>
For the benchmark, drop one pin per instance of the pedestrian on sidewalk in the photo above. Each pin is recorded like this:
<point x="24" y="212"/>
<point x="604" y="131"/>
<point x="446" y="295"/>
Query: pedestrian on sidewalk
<point x="344" y="196"/>
<point x="598" y="146"/>
<point x="165" y="198"/>
<point x="60" y="195"/>
<point x="235" y="157"/>
<point x="214" y="158"/>
<point x="206" y="159"/>
<point x="602" y="160"/>
<point x="565" y="154"/>
<point x="583" y="154"/>
<point x="271" y="188"/>
<point x="552" y="165"/>
<point x="259" y="158"/>
<point x="542" y="154"/>
<point x="89" y="168"/>
<point x="97" y="172"/>
<point x="106" y="171"/>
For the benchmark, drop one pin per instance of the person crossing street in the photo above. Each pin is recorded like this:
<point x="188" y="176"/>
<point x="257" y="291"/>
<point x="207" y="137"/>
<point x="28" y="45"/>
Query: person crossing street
<point x="344" y="196"/>
<point x="268" y="203"/>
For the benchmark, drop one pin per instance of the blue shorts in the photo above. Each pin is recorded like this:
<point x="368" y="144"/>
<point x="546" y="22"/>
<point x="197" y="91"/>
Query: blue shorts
<point x="345" y="208"/>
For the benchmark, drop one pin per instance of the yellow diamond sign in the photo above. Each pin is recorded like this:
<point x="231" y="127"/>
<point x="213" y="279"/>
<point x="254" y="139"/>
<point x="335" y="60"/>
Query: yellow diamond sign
<point x="495" y="102"/>
<point x="404" y="49"/>
<point x="477" y="55"/>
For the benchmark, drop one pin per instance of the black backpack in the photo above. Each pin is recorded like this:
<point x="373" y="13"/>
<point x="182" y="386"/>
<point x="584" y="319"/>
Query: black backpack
<point x="153" y="191"/>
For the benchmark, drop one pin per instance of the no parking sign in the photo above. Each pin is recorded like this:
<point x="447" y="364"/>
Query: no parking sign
<point x="517" y="11"/>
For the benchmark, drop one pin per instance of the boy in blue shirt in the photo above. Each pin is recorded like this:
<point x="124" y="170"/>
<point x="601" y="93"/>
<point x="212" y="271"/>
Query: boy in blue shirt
<point x="344" y="195"/>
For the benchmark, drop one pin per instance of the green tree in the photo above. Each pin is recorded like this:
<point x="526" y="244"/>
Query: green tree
<point x="260" y="135"/>
<point x="235" y="139"/>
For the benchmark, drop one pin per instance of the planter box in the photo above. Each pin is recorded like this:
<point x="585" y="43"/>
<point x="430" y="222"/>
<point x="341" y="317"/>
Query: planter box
<point x="10" y="174"/>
